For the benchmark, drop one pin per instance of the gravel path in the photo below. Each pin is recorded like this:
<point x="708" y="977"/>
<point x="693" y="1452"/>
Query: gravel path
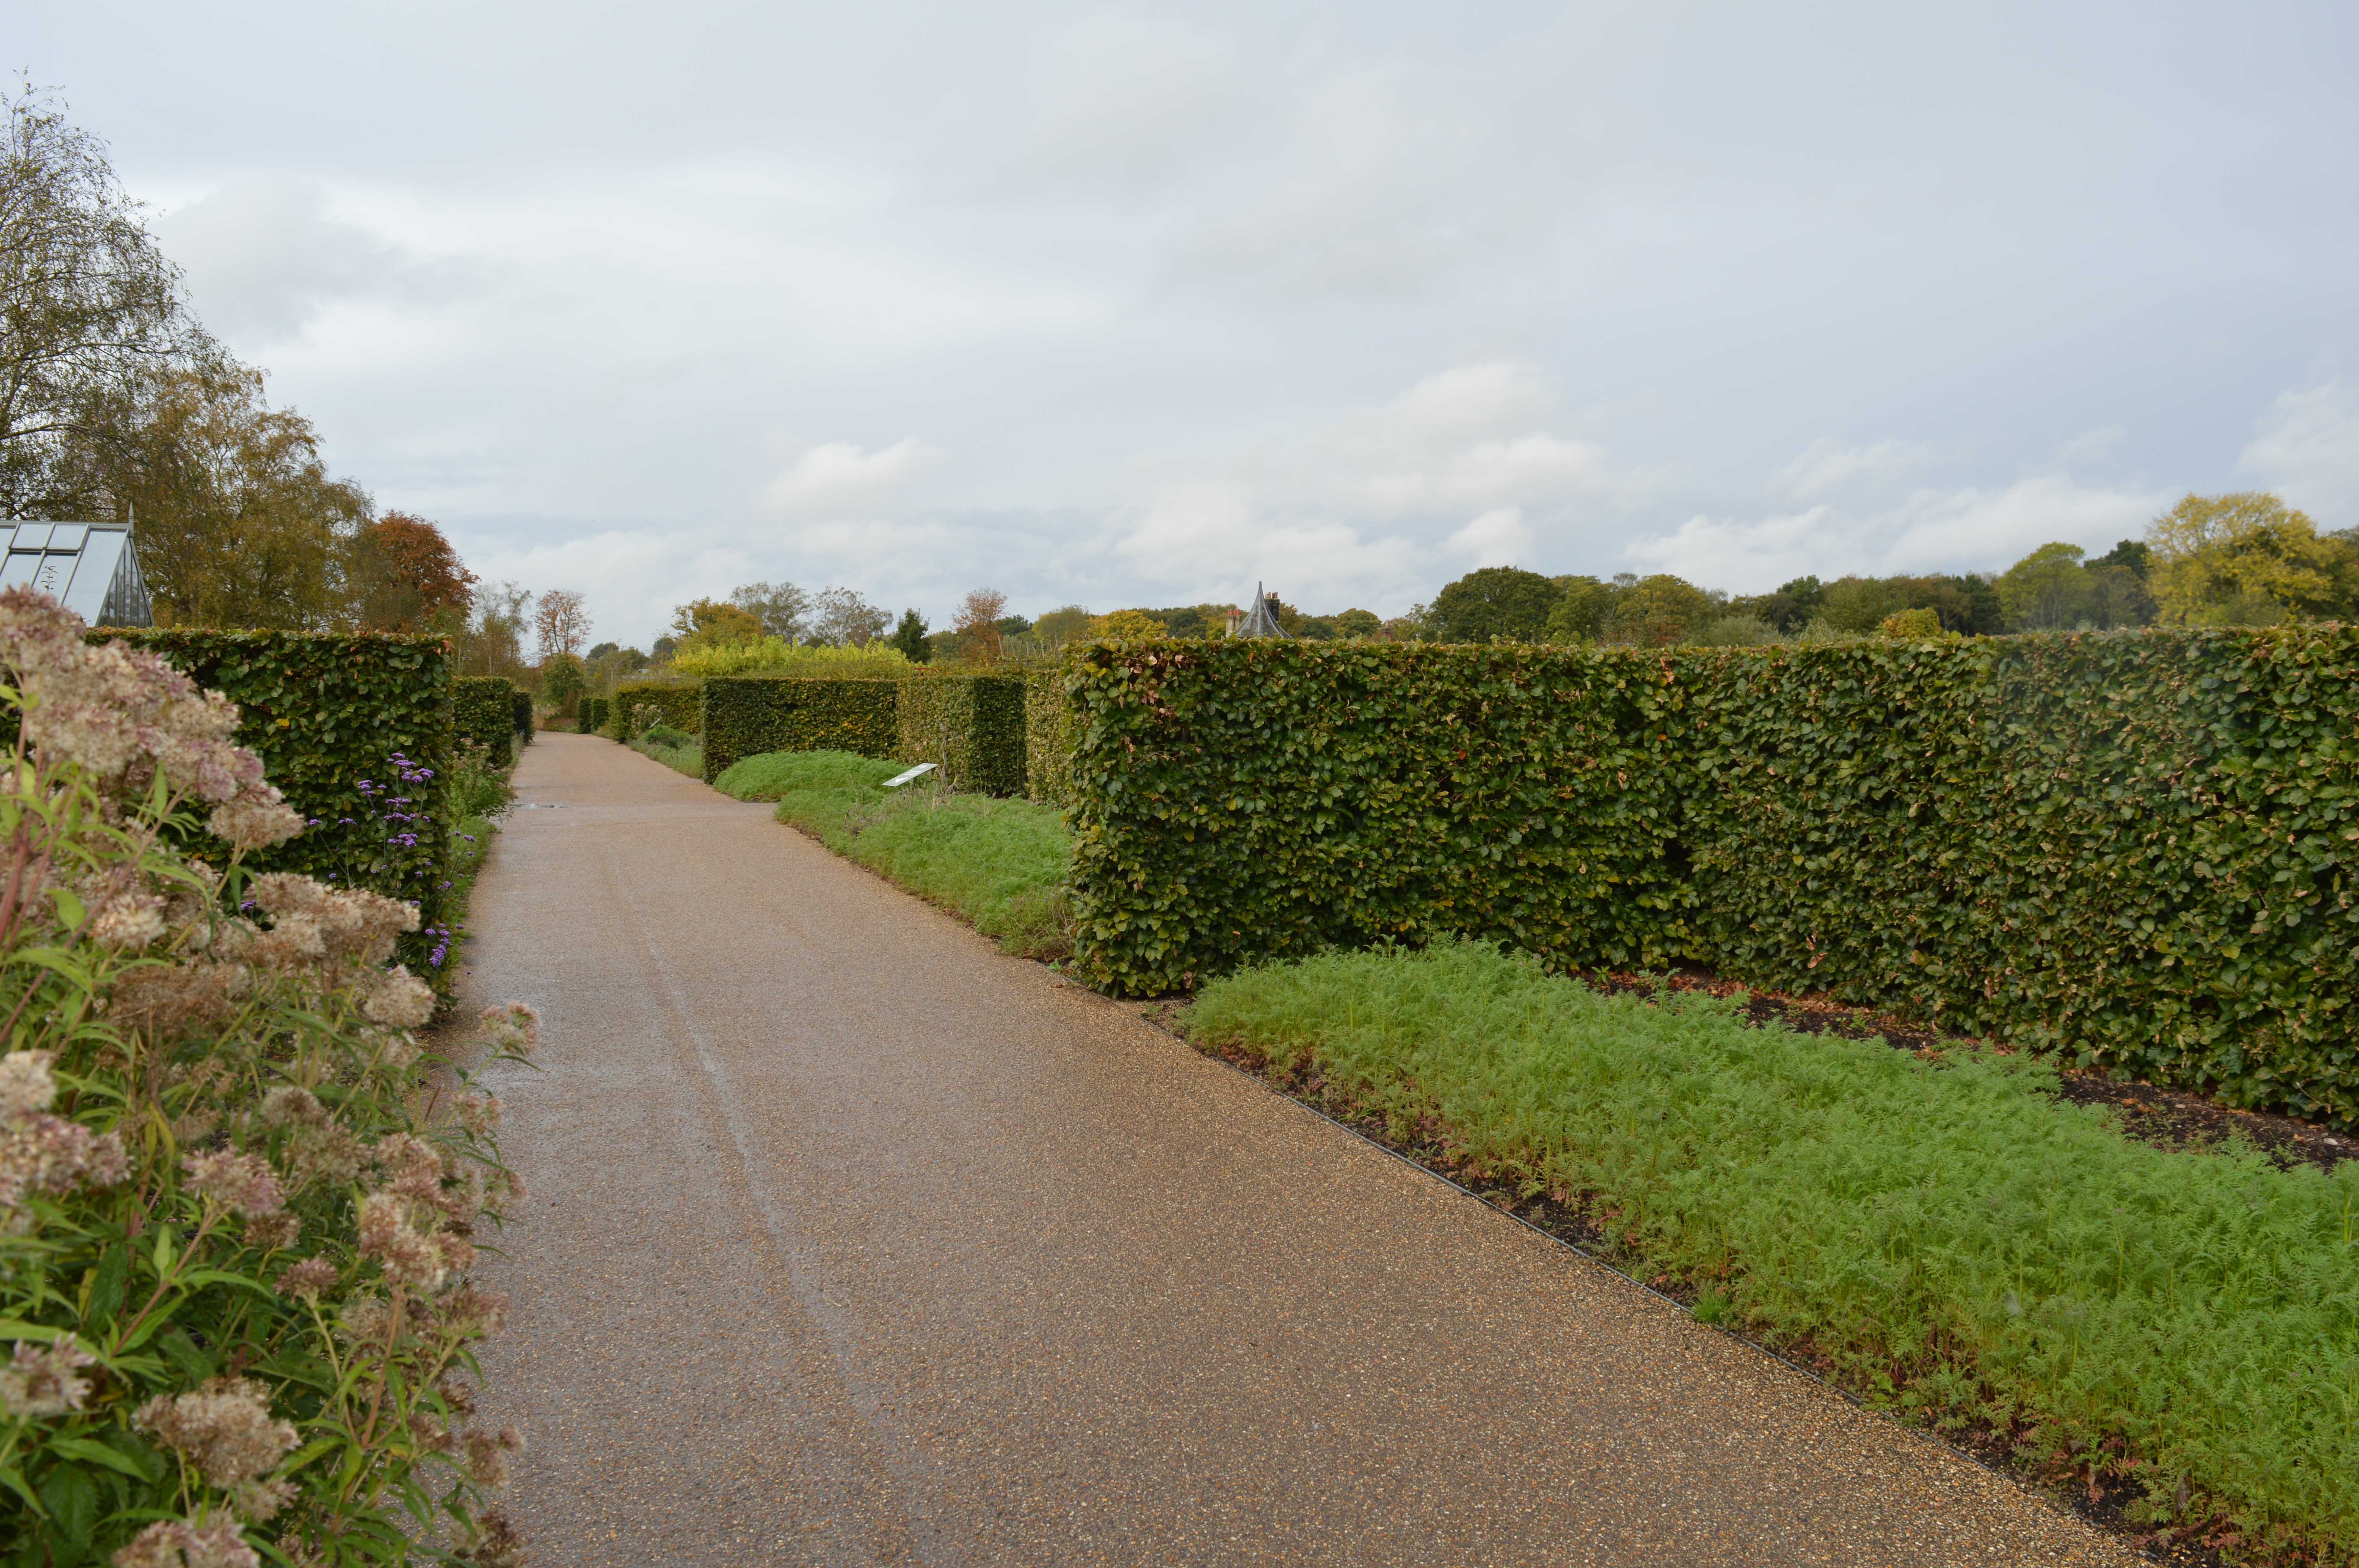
<point x="852" y="1241"/>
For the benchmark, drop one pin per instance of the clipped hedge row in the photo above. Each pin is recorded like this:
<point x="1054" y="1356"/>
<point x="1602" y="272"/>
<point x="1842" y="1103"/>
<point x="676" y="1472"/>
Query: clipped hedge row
<point x="679" y="699"/>
<point x="327" y="713"/>
<point x="1050" y="733"/>
<point x="590" y="715"/>
<point x="972" y="724"/>
<point x="482" y="709"/>
<point x="2141" y="848"/>
<point x="744" y="716"/>
<point x="521" y="711"/>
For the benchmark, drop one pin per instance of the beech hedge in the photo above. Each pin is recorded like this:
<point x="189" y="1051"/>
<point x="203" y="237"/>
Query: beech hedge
<point x="2137" y="849"/>
<point x="590" y="715"/>
<point x="680" y="701"/>
<point x="744" y="716"/>
<point x="972" y="724"/>
<point x="521" y="710"/>
<point x="1048" y="737"/>
<point x="327" y="713"/>
<point x="482" y="707"/>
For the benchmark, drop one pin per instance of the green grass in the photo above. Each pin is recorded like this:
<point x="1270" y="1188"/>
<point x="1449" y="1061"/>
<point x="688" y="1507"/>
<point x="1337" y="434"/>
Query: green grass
<point x="685" y="755"/>
<point x="1000" y="865"/>
<point x="1961" y="1246"/>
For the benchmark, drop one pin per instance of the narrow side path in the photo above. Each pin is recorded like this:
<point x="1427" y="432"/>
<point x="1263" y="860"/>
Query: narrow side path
<point x="852" y="1241"/>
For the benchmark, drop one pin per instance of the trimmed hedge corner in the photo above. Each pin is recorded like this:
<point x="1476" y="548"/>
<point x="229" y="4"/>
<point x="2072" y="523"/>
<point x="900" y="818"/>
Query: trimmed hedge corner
<point x="590" y="715"/>
<point x="972" y="725"/>
<point x="744" y="716"/>
<point x="1050" y="733"/>
<point x="523" y="715"/>
<point x="327" y="713"/>
<point x="482" y="707"/>
<point x="2138" y="848"/>
<point x="677" y="699"/>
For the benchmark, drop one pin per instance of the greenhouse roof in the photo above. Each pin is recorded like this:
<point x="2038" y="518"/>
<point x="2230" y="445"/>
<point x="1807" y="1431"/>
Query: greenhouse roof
<point x="89" y="568"/>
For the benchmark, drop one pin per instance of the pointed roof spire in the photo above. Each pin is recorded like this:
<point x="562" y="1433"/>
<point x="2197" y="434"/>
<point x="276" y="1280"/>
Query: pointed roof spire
<point x="1261" y="621"/>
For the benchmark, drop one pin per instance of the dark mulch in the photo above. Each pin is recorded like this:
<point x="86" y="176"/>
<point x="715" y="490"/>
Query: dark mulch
<point x="2167" y="1119"/>
<point x="2101" y="1500"/>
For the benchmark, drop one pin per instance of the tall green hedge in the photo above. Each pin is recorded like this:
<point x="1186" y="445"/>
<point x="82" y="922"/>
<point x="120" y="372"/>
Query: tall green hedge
<point x="482" y="709"/>
<point x="2140" y="847"/>
<point x="970" y="723"/>
<point x="333" y="718"/>
<point x="521" y="711"/>
<point x="744" y="716"/>
<point x="679" y="699"/>
<point x="1048" y="737"/>
<point x="590" y="715"/>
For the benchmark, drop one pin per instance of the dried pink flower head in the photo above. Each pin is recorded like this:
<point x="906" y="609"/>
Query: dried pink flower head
<point x="258" y="816"/>
<point x="243" y="1183"/>
<point x="176" y="1543"/>
<point x="26" y="1084"/>
<point x="497" y="1544"/>
<point x="44" y="1153"/>
<point x="224" y="1429"/>
<point x="471" y="1312"/>
<point x="167" y="998"/>
<point x="128" y="922"/>
<point x="291" y="1105"/>
<point x="366" y="1319"/>
<point x="512" y="1028"/>
<point x="399" y="999"/>
<point x="390" y="1234"/>
<point x="479" y="1113"/>
<point x="308" y="1279"/>
<point x="487" y="1456"/>
<point x="273" y="1232"/>
<point x="39" y="1379"/>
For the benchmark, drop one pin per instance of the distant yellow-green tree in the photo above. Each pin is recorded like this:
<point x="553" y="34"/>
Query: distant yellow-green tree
<point x="2246" y="558"/>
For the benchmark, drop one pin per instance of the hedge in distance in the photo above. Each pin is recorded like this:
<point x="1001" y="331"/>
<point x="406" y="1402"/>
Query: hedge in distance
<point x="677" y="702"/>
<point x="482" y="709"/>
<point x="2140" y="849"/>
<point x="1049" y="734"/>
<point x="521" y="710"/>
<point x="970" y="724"/>
<point x="744" y="716"/>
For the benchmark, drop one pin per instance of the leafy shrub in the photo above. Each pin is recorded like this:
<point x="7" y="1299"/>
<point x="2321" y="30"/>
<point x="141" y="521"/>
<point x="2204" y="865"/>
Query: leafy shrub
<point x="1050" y="733"/>
<point x="482" y="710"/>
<point x="676" y="702"/>
<point x="233" y="1259"/>
<point x="744" y="716"/>
<point x="479" y="785"/>
<point x="664" y="735"/>
<point x="970" y="724"/>
<point x="1959" y="1245"/>
<point x="2138" y="848"/>
<point x="776" y="656"/>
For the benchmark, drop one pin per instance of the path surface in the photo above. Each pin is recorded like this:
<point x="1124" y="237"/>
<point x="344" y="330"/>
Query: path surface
<point x="852" y="1241"/>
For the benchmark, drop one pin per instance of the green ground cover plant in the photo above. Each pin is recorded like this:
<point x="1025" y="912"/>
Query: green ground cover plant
<point x="2138" y="848"/>
<point x="682" y="753"/>
<point x="1960" y="1246"/>
<point x="1001" y="865"/>
<point x="235" y="1229"/>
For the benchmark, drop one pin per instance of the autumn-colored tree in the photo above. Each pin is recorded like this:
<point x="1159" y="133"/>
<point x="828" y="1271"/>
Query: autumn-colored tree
<point x="561" y="623"/>
<point x="405" y="577"/>
<point x="977" y="624"/>
<point x="1127" y="626"/>
<point x="712" y="623"/>
<point x="2242" y="559"/>
<point x="239" y="522"/>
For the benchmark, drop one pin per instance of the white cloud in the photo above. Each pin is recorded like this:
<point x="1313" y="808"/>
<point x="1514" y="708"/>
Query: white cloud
<point x="1497" y="538"/>
<point x="838" y="479"/>
<point x="1827" y="464"/>
<point x="265" y="258"/>
<point x="2307" y="449"/>
<point x="1965" y="529"/>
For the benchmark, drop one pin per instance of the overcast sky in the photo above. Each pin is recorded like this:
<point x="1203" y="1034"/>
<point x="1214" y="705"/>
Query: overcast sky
<point x="1143" y="304"/>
